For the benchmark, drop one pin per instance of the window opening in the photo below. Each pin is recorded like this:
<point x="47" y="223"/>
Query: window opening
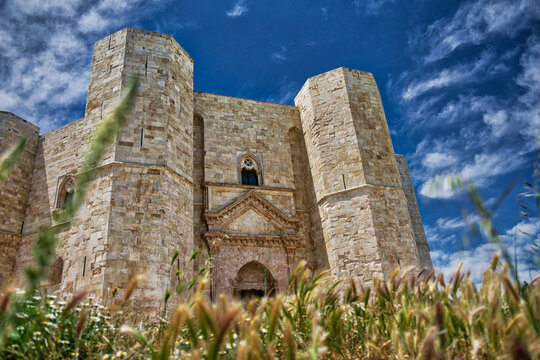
<point x="66" y="193"/>
<point x="56" y="271"/>
<point x="249" y="173"/>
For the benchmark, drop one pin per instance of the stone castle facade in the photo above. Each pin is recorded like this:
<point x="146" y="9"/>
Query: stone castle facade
<point x="255" y="185"/>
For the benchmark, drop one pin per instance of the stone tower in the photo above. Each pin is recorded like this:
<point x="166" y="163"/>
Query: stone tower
<point x="15" y="189"/>
<point x="152" y="162"/>
<point x="256" y="187"/>
<point x="363" y="209"/>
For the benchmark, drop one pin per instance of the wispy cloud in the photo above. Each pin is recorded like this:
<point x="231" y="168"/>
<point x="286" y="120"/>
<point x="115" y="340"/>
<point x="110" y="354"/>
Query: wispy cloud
<point x="286" y="93"/>
<point x="480" y="171"/>
<point x="370" y="6"/>
<point x="239" y="8"/>
<point x="92" y="21"/>
<point x="506" y="127"/>
<point x="450" y="223"/>
<point x="477" y="259"/>
<point x="457" y="74"/>
<point x="437" y="160"/>
<point x="280" y="55"/>
<point x="474" y="22"/>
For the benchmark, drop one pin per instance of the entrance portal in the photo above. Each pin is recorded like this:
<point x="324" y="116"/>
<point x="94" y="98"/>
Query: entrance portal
<point x="253" y="280"/>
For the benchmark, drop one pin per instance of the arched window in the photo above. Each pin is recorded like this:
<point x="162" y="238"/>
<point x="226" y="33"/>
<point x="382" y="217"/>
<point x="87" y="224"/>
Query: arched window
<point x="250" y="172"/>
<point x="56" y="272"/>
<point x="65" y="193"/>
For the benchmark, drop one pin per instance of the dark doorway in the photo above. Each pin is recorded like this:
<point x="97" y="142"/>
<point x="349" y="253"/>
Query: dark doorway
<point x="250" y="294"/>
<point x="253" y="280"/>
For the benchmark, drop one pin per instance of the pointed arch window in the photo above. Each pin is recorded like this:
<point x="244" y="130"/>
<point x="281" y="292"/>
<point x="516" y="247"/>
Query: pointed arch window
<point x="66" y="191"/>
<point x="250" y="171"/>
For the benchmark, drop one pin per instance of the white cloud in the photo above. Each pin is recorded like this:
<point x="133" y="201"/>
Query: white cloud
<point x="446" y="77"/>
<point x="480" y="172"/>
<point x="49" y="74"/>
<point x="370" y="6"/>
<point x="437" y="160"/>
<point x="280" y="55"/>
<point x="239" y="8"/>
<point x="497" y="122"/>
<point x="475" y="21"/>
<point x="518" y="238"/>
<point x="450" y="223"/>
<point x="93" y="22"/>
<point x="529" y="79"/>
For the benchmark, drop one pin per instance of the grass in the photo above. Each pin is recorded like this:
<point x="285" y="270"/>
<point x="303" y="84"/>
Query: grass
<point x="410" y="316"/>
<point x="407" y="317"/>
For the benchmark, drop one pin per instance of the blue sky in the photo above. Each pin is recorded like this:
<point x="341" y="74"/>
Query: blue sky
<point x="460" y="82"/>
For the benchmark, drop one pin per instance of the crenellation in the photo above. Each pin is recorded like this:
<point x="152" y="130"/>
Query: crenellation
<point x="255" y="187"/>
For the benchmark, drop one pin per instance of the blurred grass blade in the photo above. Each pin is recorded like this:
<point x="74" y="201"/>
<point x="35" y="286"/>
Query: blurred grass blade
<point x="9" y="159"/>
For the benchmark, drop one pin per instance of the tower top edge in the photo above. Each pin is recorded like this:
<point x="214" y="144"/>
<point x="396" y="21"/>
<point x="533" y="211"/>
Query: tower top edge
<point x="342" y="69"/>
<point x="9" y="113"/>
<point x="156" y="34"/>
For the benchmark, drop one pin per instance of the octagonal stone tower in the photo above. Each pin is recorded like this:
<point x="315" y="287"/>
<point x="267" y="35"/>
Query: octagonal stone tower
<point x="363" y="209"/>
<point x="152" y="163"/>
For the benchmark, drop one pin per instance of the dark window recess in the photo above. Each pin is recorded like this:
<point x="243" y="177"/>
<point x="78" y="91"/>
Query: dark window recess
<point x="84" y="267"/>
<point x="68" y="198"/>
<point x="56" y="271"/>
<point x="249" y="177"/>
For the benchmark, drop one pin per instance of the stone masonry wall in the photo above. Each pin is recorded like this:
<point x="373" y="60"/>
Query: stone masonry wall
<point x="14" y="190"/>
<point x="234" y="126"/>
<point x="81" y="246"/>
<point x="414" y="212"/>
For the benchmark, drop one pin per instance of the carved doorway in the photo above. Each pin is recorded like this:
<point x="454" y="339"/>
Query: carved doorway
<point x="253" y="280"/>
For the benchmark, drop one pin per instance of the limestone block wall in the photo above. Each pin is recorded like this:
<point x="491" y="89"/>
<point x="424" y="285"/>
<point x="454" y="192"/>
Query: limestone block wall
<point x="414" y="212"/>
<point x="160" y="129"/>
<point x="363" y="211"/>
<point x="148" y="222"/>
<point x="304" y="197"/>
<point x="234" y="126"/>
<point x="199" y="225"/>
<point x="229" y="260"/>
<point x="14" y="190"/>
<point x="81" y="246"/>
<point x="106" y="79"/>
<point x="221" y="195"/>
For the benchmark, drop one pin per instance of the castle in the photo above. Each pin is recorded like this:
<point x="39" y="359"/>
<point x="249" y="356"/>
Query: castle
<point x="256" y="187"/>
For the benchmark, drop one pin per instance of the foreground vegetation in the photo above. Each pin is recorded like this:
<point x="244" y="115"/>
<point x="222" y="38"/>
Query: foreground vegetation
<point x="407" y="317"/>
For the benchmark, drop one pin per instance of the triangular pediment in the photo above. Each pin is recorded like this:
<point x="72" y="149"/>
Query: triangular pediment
<point x="252" y="223"/>
<point x="252" y="206"/>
